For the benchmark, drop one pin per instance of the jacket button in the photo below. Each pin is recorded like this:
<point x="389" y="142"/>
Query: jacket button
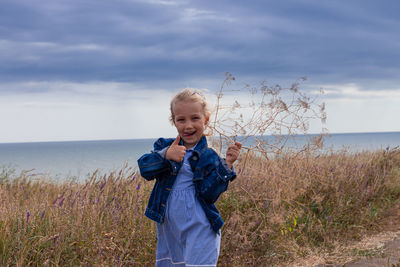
<point x="195" y="158"/>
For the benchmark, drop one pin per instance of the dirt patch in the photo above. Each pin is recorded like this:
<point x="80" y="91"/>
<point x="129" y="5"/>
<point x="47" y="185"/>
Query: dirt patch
<point x="388" y="245"/>
<point x="389" y="256"/>
<point x="381" y="248"/>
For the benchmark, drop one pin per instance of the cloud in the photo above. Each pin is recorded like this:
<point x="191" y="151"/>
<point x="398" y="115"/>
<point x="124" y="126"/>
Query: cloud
<point x="52" y="111"/>
<point x="73" y="111"/>
<point x="163" y="2"/>
<point x="354" y="91"/>
<point x="138" y="40"/>
<point x="362" y="115"/>
<point x="106" y="54"/>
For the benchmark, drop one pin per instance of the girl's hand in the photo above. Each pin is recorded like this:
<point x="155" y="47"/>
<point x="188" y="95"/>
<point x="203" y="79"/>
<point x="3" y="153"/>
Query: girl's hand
<point x="175" y="152"/>
<point x="232" y="153"/>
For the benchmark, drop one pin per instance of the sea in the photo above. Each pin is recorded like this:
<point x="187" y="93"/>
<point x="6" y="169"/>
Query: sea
<point x="77" y="160"/>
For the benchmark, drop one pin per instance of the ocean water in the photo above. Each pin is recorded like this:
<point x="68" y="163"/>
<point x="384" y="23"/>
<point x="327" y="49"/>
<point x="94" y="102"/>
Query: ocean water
<point x="78" y="159"/>
<point x="72" y="159"/>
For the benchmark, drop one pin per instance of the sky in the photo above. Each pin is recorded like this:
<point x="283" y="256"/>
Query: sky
<point x="97" y="69"/>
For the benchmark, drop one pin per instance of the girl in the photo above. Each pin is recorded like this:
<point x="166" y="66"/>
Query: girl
<point x="189" y="179"/>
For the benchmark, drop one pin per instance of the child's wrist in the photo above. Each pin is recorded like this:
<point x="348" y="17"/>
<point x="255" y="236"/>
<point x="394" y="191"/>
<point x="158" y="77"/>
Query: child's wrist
<point x="229" y="164"/>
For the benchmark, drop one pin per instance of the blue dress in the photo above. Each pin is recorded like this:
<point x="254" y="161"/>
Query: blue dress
<point x="186" y="238"/>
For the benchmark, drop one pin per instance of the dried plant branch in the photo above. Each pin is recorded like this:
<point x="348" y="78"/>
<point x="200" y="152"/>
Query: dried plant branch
<point x="272" y="116"/>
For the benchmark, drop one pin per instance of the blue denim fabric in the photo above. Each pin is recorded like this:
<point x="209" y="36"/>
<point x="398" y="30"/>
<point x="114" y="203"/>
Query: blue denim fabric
<point x="211" y="178"/>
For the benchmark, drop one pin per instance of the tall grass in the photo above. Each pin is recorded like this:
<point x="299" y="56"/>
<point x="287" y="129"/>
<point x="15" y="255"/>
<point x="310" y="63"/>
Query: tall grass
<point x="97" y="223"/>
<point x="285" y="208"/>
<point x="276" y="211"/>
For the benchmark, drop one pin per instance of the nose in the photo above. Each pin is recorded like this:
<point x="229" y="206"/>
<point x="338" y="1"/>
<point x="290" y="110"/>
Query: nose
<point x="188" y="125"/>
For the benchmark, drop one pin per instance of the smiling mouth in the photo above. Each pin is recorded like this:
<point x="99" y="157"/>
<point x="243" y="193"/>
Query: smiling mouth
<point x="188" y="134"/>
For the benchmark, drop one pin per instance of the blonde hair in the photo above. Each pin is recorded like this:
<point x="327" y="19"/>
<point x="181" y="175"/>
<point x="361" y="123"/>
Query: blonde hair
<point x="189" y="94"/>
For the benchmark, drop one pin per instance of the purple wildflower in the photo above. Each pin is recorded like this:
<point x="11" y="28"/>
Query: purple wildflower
<point x="138" y="187"/>
<point x="61" y="203"/>
<point x="43" y="213"/>
<point x="28" y="214"/>
<point x="102" y="186"/>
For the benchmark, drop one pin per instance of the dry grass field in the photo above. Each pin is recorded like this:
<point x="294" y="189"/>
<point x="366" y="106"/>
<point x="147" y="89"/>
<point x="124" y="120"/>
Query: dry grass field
<point x="278" y="212"/>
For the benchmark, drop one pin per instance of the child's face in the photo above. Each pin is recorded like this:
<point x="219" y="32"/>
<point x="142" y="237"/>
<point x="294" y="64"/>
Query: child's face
<point x="189" y="121"/>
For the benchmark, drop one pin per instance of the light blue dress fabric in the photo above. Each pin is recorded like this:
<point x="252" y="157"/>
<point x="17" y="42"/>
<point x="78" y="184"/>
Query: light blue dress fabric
<point x="185" y="238"/>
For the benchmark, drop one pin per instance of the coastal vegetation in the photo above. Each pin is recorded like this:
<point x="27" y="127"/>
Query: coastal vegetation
<point x="276" y="212"/>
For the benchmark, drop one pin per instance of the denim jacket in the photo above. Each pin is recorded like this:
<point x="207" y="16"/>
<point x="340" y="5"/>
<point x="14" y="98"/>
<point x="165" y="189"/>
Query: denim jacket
<point x="211" y="178"/>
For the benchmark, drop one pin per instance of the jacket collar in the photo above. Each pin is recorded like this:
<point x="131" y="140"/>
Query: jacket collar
<point x="200" y="147"/>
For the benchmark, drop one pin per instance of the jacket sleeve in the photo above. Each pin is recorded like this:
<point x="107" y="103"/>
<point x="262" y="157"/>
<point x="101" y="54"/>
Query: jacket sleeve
<point x="217" y="176"/>
<point x="154" y="165"/>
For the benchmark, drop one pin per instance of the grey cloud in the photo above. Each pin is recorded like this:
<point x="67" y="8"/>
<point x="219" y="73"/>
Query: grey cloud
<point x="125" y="40"/>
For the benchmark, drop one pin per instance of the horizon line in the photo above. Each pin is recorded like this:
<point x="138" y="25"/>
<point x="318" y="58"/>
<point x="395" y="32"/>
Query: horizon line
<point x="147" y="138"/>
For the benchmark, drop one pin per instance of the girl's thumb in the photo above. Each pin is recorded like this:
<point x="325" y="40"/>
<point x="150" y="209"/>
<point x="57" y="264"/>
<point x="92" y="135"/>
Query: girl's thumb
<point x="176" y="141"/>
